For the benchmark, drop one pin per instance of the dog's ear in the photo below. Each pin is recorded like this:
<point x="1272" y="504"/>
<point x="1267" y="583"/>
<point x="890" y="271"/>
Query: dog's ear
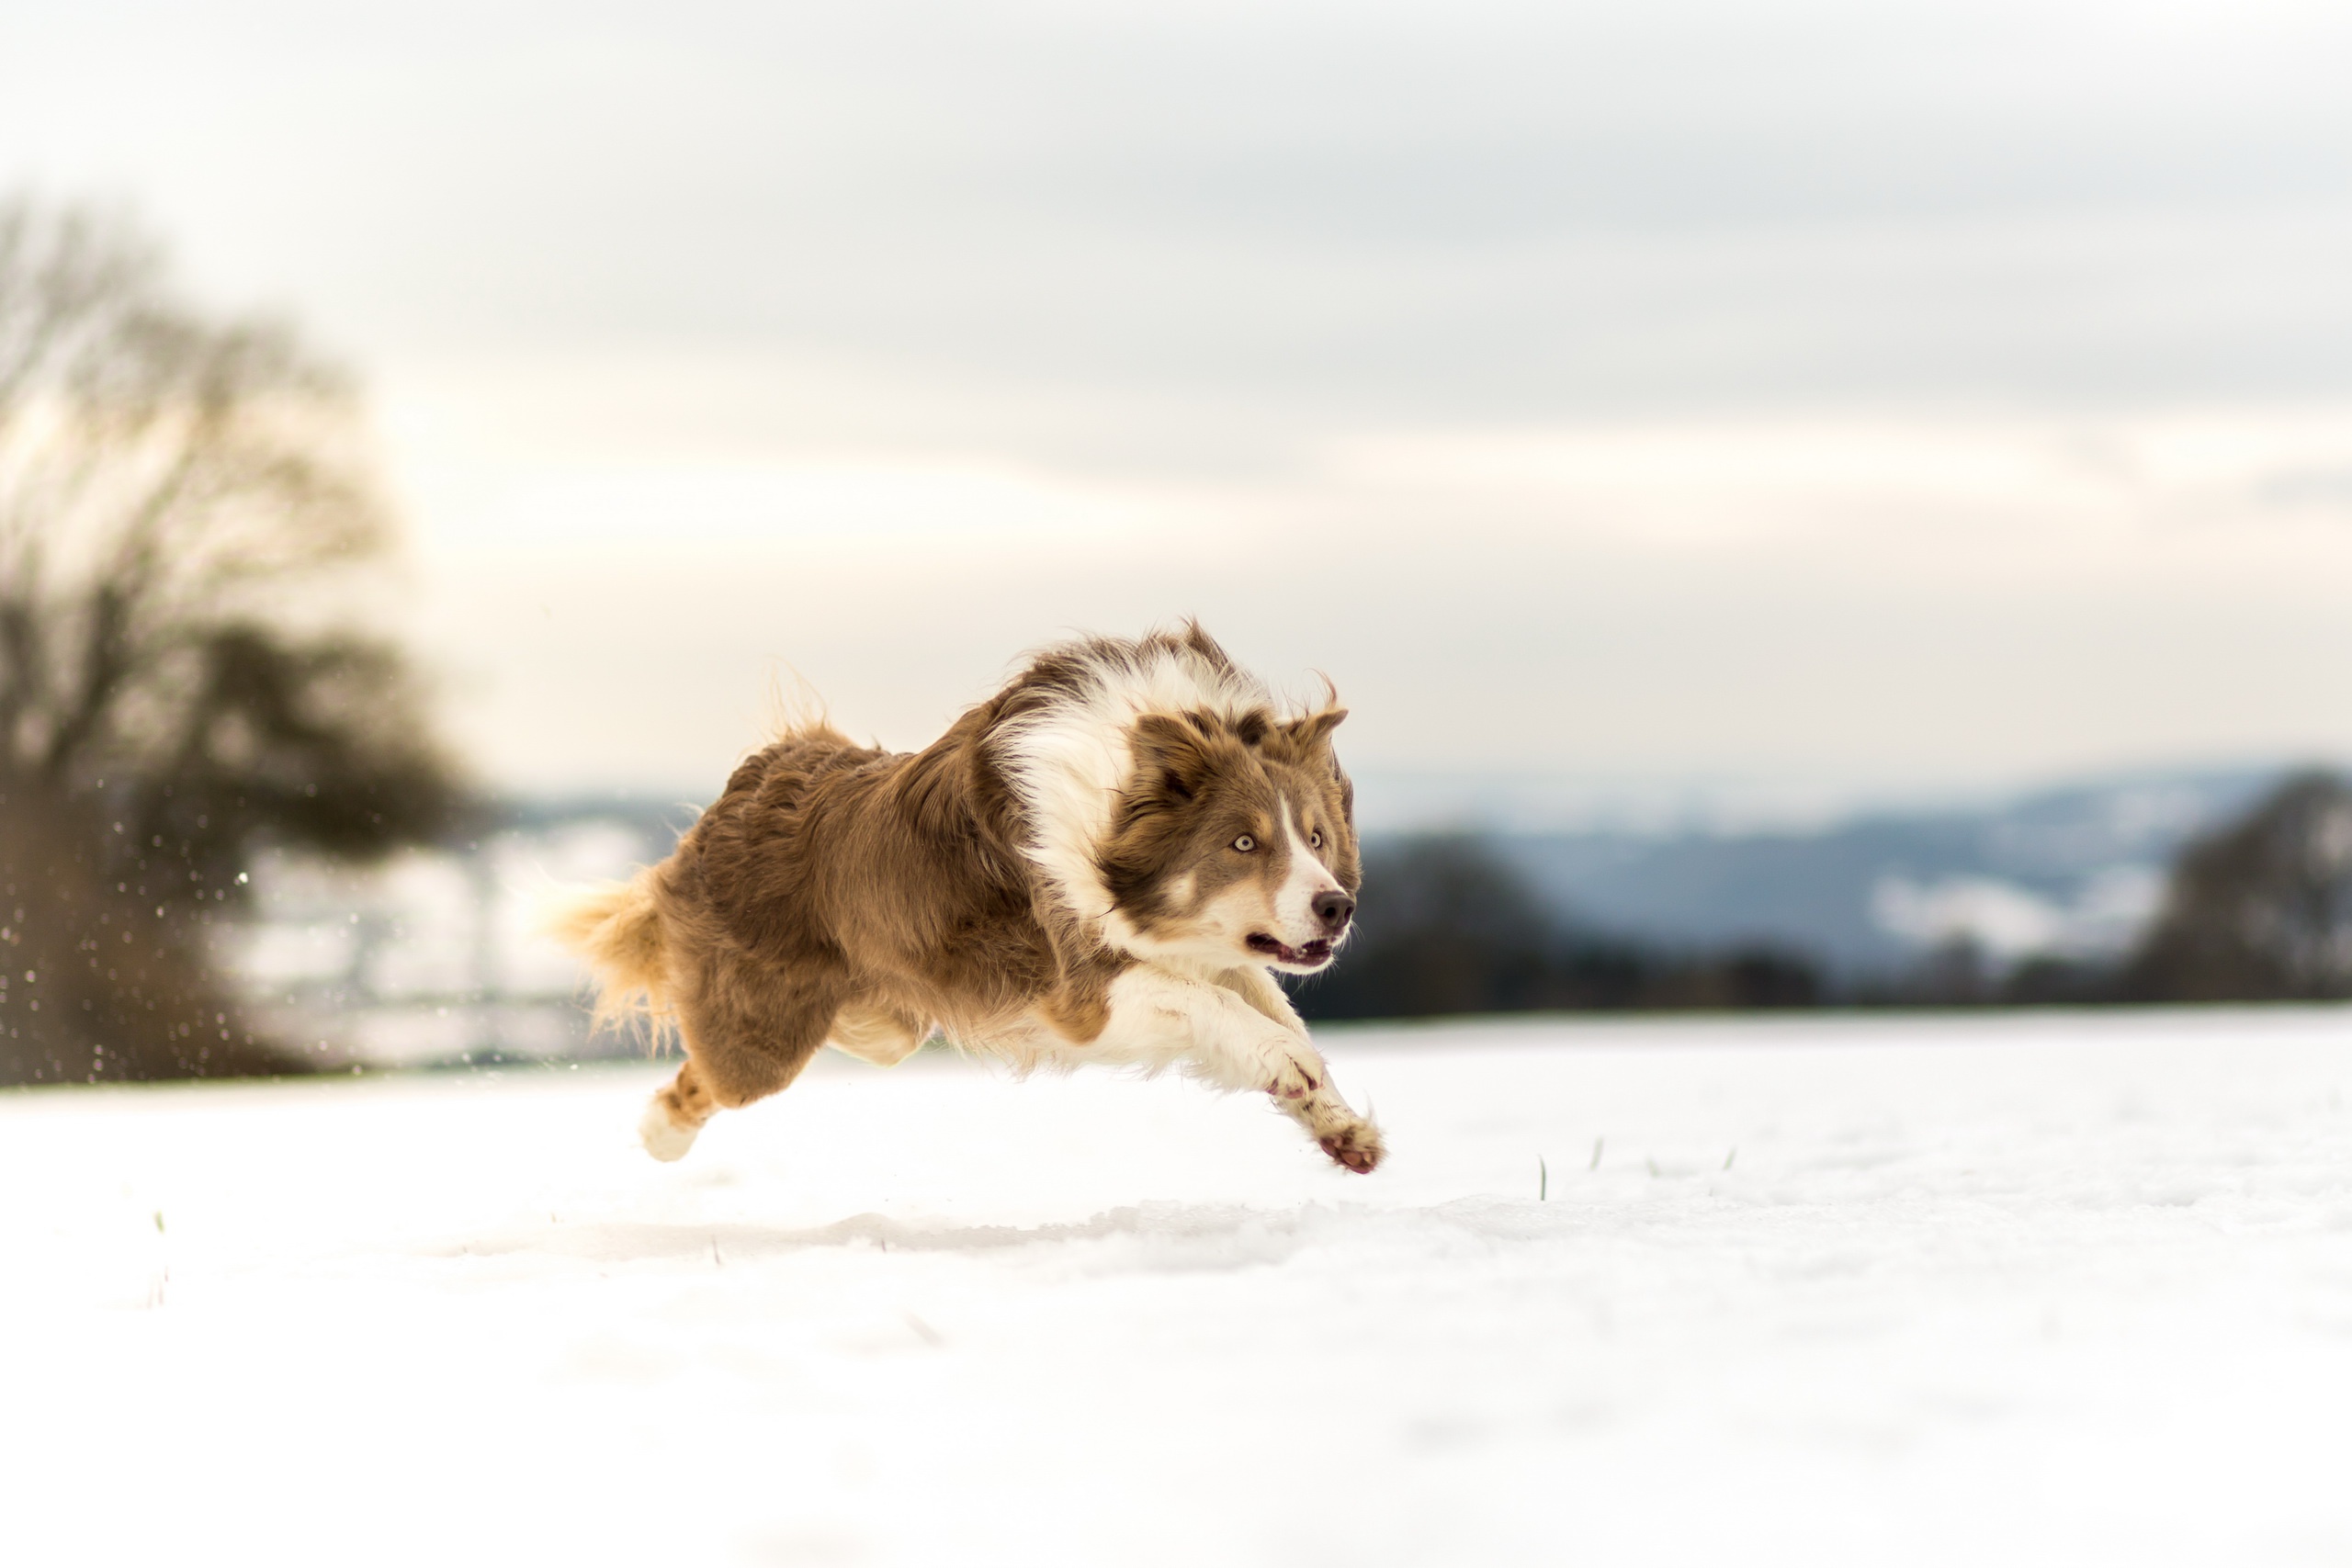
<point x="1172" y="754"/>
<point x="1312" y="734"/>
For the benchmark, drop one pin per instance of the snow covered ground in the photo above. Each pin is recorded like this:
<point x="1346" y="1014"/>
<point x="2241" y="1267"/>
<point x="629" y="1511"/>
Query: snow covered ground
<point x="2031" y="1290"/>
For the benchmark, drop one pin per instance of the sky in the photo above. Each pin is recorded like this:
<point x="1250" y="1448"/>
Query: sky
<point x="1748" y="406"/>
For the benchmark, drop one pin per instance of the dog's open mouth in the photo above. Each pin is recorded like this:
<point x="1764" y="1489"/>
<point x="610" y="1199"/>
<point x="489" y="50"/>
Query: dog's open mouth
<point x="1317" y="952"/>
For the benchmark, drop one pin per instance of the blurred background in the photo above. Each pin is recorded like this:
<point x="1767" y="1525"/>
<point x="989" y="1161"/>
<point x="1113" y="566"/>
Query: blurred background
<point x="1809" y="504"/>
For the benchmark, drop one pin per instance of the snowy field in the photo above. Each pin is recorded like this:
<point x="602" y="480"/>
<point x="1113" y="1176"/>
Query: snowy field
<point x="2058" y="1289"/>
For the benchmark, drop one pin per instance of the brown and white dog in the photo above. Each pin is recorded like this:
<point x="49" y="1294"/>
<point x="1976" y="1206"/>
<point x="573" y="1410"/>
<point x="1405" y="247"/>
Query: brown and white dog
<point x="1100" y="863"/>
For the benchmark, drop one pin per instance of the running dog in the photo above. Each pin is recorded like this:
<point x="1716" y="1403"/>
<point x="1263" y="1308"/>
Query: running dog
<point x="1102" y="862"/>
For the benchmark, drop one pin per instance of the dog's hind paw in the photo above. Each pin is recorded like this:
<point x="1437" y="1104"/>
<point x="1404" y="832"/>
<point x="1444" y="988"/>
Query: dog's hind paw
<point x="663" y="1138"/>
<point x="1355" y="1145"/>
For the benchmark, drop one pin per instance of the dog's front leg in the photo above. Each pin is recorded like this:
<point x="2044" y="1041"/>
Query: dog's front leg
<point x="1224" y="1034"/>
<point x="1352" y="1140"/>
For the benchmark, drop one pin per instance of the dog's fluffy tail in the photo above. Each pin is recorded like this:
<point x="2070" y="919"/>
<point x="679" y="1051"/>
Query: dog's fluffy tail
<point x="616" y="927"/>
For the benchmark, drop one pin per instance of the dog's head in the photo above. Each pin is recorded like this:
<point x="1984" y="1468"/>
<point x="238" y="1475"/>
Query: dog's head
<point x="1234" y="841"/>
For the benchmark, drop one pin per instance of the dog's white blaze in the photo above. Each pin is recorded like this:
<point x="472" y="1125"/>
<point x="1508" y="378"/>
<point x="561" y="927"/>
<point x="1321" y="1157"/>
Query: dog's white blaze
<point x="1069" y="761"/>
<point x="1295" y="902"/>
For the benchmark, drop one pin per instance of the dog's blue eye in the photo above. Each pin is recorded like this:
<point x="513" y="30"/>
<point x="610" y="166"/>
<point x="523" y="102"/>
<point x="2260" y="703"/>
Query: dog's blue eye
<point x="1315" y="839"/>
<point x="1245" y="843"/>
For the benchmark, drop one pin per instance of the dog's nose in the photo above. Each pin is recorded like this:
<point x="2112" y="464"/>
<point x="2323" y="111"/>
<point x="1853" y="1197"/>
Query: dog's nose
<point x="1333" y="909"/>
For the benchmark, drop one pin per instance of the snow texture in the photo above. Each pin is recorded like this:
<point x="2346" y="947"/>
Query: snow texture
<point x="2031" y="1290"/>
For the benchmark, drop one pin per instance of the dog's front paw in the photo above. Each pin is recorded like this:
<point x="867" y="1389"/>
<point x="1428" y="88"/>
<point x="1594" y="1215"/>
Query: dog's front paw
<point x="1355" y="1145"/>
<point x="1293" y="1071"/>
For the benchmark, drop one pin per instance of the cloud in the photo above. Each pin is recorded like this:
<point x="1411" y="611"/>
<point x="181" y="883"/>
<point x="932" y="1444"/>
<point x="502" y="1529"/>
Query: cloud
<point x="1825" y="389"/>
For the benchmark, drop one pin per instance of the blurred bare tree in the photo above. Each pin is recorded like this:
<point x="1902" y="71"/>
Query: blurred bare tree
<point x="186" y="516"/>
<point x="2261" y="910"/>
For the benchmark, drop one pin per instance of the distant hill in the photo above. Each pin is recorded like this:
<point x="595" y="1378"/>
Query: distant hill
<point x="2075" y="870"/>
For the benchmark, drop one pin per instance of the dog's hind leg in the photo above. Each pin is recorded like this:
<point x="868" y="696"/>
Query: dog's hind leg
<point x="673" y="1116"/>
<point x="747" y="1036"/>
